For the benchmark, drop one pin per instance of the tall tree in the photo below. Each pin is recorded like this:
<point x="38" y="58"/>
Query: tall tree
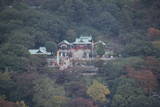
<point x="45" y="90"/>
<point x="51" y="47"/>
<point x="100" y="49"/>
<point x="98" y="92"/>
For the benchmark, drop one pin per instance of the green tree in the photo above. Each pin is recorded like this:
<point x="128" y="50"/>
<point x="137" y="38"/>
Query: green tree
<point x="51" y="47"/>
<point x="100" y="49"/>
<point x="139" y="48"/>
<point x="45" y="90"/>
<point x="21" y="38"/>
<point x="13" y="57"/>
<point x="109" y="22"/>
<point x="129" y="95"/>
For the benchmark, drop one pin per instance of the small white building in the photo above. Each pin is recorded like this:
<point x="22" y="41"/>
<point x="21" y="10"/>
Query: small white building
<point x="40" y="51"/>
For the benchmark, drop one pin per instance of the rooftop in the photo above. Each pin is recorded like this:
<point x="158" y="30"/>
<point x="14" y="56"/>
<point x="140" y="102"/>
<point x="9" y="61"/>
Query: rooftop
<point x="64" y="41"/>
<point x="83" y="40"/>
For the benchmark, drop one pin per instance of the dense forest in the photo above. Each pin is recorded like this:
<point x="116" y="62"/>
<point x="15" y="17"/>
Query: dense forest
<point x="130" y="27"/>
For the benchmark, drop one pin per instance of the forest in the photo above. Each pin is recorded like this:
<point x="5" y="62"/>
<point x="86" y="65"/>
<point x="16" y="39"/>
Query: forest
<point x="130" y="27"/>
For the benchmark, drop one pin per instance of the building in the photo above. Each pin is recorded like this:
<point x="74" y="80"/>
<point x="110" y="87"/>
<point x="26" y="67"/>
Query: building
<point x="40" y="51"/>
<point x="64" y="49"/>
<point x="80" y="48"/>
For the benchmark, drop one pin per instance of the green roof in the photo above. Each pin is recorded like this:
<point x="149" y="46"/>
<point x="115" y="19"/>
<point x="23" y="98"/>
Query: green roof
<point x="83" y="40"/>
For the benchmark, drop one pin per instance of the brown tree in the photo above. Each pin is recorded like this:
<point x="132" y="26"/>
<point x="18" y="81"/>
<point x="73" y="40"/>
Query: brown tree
<point x="146" y="78"/>
<point x="153" y="32"/>
<point x="7" y="104"/>
<point x="153" y="64"/>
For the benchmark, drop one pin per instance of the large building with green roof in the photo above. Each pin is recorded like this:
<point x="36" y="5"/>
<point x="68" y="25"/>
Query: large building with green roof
<point x="79" y="49"/>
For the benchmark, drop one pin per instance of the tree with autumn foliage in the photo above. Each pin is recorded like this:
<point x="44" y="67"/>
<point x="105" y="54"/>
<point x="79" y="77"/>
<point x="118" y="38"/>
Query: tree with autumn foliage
<point x="4" y="103"/>
<point x="153" y="64"/>
<point x="98" y="92"/>
<point x="146" y="79"/>
<point x="153" y="32"/>
<point x="60" y="101"/>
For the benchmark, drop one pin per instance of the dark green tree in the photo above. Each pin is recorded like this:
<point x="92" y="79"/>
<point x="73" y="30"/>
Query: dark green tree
<point x="51" y="47"/>
<point x="100" y="49"/>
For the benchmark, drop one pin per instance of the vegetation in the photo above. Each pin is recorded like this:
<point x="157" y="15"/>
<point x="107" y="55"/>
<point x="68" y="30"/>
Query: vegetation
<point x="98" y="91"/>
<point x="100" y="49"/>
<point x="51" y="47"/>
<point x="130" y="27"/>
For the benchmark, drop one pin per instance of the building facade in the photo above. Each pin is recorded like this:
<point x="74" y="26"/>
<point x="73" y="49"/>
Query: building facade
<point x="80" y="49"/>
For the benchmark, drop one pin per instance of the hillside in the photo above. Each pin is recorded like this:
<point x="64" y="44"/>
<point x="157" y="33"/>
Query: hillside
<point x="131" y="28"/>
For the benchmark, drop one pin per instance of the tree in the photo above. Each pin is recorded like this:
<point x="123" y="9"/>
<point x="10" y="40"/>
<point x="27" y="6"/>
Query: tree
<point x="146" y="79"/>
<point x="98" y="92"/>
<point x="112" y="69"/>
<point x="132" y="101"/>
<point x="21" y="104"/>
<point x="24" y="86"/>
<point x="76" y="89"/>
<point x="153" y="32"/>
<point x="14" y="57"/>
<point x="129" y="95"/>
<point x="22" y="38"/>
<point x="156" y="44"/>
<point x="60" y="101"/>
<point x="100" y="49"/>
<point x="153" y="64"/>
<point x="71" y="34"/>
<point x="39" y="39"/>
<point x="5" y="76"/>
<point x="4" y="3"/>
<point x="45" y="90"/>
<point x="66" y="77"/>
<point x="4" y="103"/>
<point x="109" y="22"/>
<point x="52" y="5"/>
<point x="100" y="65"/>
<point x="81" y="102"/>
<point x="138" y="48"/>
<point x="51" y="47"/>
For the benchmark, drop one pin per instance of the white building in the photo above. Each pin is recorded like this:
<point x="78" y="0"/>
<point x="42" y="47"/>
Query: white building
<point x="40" y="51"/>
